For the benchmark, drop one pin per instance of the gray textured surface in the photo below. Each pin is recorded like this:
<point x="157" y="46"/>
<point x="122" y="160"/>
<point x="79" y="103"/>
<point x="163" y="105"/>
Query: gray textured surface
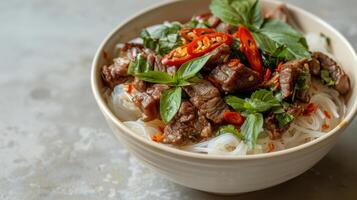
<point x="54" y="143"/>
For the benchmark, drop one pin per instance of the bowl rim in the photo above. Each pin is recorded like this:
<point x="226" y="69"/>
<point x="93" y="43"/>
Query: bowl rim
<point x="108" y="113"/>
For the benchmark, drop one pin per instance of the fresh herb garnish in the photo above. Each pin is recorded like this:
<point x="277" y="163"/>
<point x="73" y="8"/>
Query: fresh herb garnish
<point x="195" y="23"/>
<point x="138" y="65"/>
<point x="156" y="77"/>
<point x="251" y="128"/>
<point x="260" y="101"/>
<point x="283" y="119"/>
<point x="326" y="78"/>
<point x="230" y="129"/>
<point x="170" y="102"/>
<point x="253" y="108"/>
<point x="271" y="35"/>
<point x="162" y="39"/>
<point x="171" y="99"/>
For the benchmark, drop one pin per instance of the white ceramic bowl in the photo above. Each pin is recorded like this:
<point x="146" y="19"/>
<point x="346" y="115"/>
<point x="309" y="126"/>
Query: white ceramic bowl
<point x="222" y="174"/>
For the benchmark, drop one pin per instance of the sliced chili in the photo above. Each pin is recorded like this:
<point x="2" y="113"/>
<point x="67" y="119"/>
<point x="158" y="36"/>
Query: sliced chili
<point x="207" y="43"/>
<point x="310" y="108"/>
<point x="177" y="56"/>
<point x="233" y="118"/>
<point x="250" y="49"/>
<point x="157" y="137"/>
<point x="192" y="33"/>
<point x="267" y="75"/>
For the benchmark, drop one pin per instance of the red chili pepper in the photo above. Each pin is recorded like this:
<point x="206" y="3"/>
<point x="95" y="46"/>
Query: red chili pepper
<point x="207" y="43"/>
<point x="325" y="126"/>
<point x="157" y="137"/>
<point x="327" y="114"/>
<point x="233" y="118"/>
<point x="233" y="62"/>
<point x="192" y="33"/>
<point x="250" y="49"/>
<point x="278" y="68"/>
<point x="310" y="108"/>
<point x="177" y="56"/>
<point x="129" y="89"/>
<point x="267" y="75"/>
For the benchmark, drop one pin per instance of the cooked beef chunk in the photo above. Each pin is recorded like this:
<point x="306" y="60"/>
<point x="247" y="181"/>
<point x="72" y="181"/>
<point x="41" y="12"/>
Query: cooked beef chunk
<point x="148" y="101"/>
<point x="220" y="55"/>
<point x="271" y="124"/>
<point x="206" y="98"/>
<point x="116" y="73"/>
<point x="280" y="13"/>
<point x="140" y="85"/>
<point x="235" y="77"/>
<point x="112" y="75"/>
<point x="322" y="61"/>
<point x="295" y="75"/>
<point x="187" y="125"/>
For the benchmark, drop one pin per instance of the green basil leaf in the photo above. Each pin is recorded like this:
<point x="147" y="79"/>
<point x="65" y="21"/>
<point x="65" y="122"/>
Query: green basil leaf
<point x="260" y="101"/>
<point x="236" y="12"/>
<point x="275" y="34"/>
<point x="283" y="119"/>
<point x="192" y="67"/>
<point x="251" y="128"/>
<point x="138" y="65"/>
<point x="255" y="105"/>
<point x="229" y="129"/>
<point x="170" y="102"/>
<point x="326" y="78"/>
<point x="264" y="95"/>
<point x="236" y="103"/>
<point x="255" y="15"/>
<point x="155" y="77"/>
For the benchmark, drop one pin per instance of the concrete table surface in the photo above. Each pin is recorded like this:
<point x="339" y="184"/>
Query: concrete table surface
<point x="54" y="142"/>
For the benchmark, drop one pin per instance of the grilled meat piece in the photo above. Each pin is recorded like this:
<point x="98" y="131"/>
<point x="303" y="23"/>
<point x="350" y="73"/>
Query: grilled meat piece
<point x="235" y="77"/>
<point x="148" y="101"/>
<point x="271" y="124"/>
<point x="220" y="55"/>
<point x="296" y="74"/>
<point x="206" y="98"/>
<point x="187" y="125"/>
<point x="322" y="61"/>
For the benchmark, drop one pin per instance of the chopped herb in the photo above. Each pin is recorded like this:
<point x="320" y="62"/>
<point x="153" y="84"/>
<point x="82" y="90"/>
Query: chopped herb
<point x="326" y="78"/>
<point x="162" y="39"/>
<point x="283" y="119"/>
<point x="138" y="65"/>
